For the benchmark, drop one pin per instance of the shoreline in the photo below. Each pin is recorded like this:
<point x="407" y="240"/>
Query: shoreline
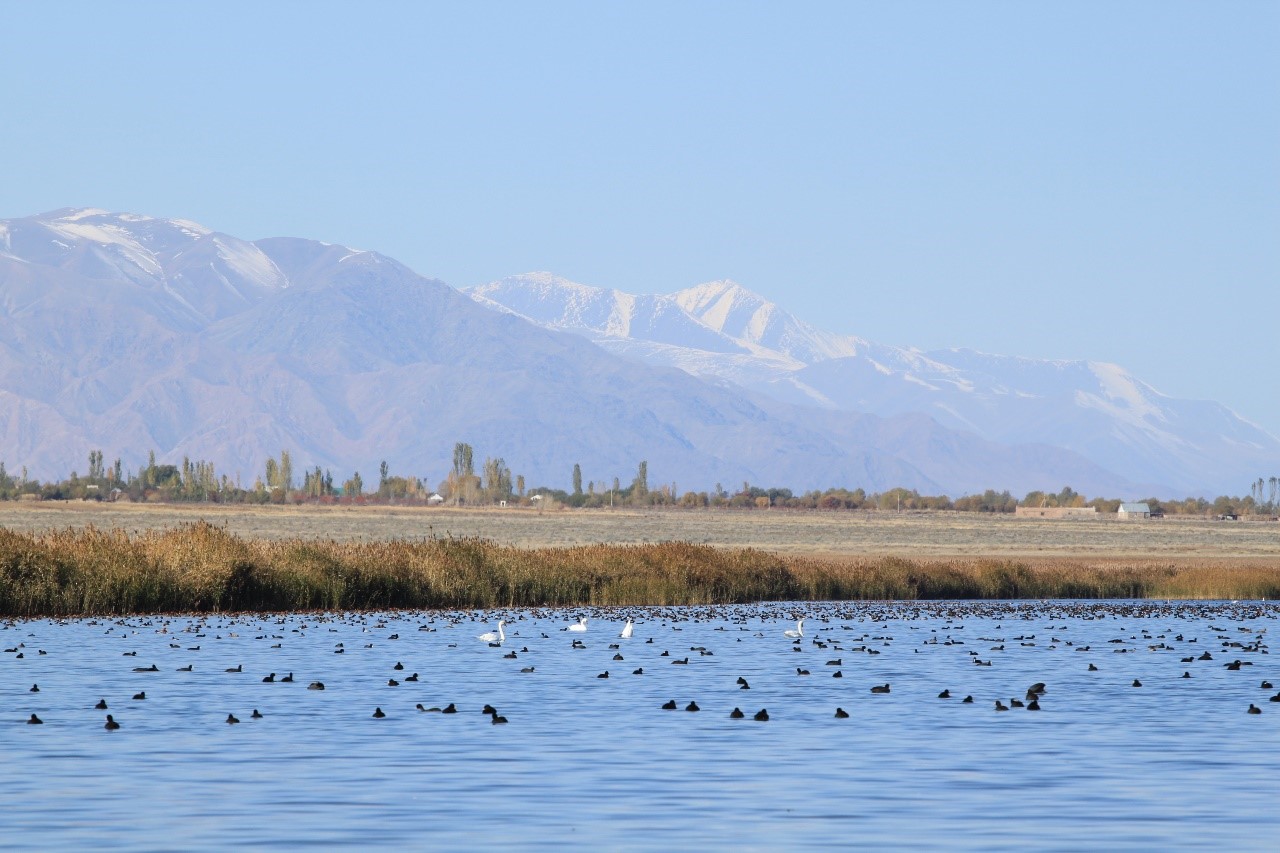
<point x="202" y="567"/>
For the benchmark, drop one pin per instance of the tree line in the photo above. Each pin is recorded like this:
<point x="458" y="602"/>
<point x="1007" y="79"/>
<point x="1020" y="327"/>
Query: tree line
<point x="493" y="483"/>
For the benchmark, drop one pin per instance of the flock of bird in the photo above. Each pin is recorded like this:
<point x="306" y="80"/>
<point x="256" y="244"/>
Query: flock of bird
<point x="852" y="632"/>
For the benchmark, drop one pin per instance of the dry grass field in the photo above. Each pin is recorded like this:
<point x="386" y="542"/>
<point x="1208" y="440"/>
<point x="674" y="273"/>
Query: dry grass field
<point x="922" y="536"/>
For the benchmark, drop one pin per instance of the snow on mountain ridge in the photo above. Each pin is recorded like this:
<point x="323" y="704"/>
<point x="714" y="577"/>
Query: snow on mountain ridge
<point x="1094" y="408"/>
<point x="110" y="237"/>
<point x="1119" y="386"/>
<point x="207" y="275"/>
<point x="749" y="318"/>
<point x="75" y="214"/>
<point x="252" y="263"/>
<point x="601" y="313"/>
<point x="623" y="313"/>
<point x="360" y="359"/>
<point x="95" y="300"/>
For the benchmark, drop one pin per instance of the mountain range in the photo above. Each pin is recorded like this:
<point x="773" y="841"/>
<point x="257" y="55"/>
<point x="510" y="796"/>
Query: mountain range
<point x="722" y="331"/>
<point x="129" y="333"/>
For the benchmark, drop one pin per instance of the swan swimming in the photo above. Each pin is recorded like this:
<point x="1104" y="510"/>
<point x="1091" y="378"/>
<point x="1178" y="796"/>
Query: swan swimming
<point x="627" y="629"/>
<point x="581" y="627"/>
<point x="798" y="632"/>
<point x="491" y="637"/>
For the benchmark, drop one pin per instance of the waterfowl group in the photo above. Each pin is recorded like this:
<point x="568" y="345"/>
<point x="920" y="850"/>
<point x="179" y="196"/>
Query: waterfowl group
<point x="850" y="639"/>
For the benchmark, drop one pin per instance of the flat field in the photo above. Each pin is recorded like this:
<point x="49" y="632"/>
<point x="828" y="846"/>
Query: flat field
<point x="920" y="536"/>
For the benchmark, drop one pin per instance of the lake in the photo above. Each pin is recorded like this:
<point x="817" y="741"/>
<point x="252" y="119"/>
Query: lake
<point x="1174" y="763"/>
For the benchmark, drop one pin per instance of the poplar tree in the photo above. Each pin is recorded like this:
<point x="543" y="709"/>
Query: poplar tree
<point x="497" y="480"/>
<point x="640" y="487"/>
<point x="462" y="461"/>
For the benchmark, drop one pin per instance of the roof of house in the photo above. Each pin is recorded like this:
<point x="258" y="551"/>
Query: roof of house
<point x="1134" y="507"/>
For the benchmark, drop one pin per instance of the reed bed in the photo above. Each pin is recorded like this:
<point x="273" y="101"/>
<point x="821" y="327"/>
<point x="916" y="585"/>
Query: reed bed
<point x="201" y="567"/>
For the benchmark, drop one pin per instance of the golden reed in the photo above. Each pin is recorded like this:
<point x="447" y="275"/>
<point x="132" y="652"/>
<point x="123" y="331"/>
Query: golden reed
<point x="201" y="567"/>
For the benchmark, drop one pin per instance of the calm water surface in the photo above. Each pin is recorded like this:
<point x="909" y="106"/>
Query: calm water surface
<point x="1175" y="763"/>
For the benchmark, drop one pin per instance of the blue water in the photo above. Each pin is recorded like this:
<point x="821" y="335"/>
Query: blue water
<point x="1175" y="763"/>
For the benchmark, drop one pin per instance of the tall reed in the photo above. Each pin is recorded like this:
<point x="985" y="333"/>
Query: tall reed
<point x="202" y="567"/>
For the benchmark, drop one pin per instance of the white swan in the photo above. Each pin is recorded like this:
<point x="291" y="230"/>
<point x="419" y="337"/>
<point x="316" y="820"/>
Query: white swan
<point x="581" y="627"/>
<point x="490" y="637"/>
<point x="627" y="629"/>
<point x="798" y="632"/>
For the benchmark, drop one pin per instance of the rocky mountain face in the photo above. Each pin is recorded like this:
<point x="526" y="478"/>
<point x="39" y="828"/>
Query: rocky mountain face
<point x="128" y="334"/>
<point x="721" y="331"/>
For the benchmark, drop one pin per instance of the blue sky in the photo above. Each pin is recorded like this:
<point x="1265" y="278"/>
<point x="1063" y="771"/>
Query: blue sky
<point x="1072" y="180"/>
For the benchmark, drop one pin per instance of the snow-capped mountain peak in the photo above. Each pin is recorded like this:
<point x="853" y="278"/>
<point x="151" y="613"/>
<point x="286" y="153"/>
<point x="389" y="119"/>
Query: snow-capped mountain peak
<point x="1094" y="408"/>
<point x="551" y="300"/>
<point x="749" y="318"/>
<point x="130" y="333"/>
<point x="602" y="314"/>
<point x="207" y="275"/>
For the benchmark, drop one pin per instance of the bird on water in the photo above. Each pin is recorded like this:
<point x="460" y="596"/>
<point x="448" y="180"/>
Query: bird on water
<point x="499" y="637"/>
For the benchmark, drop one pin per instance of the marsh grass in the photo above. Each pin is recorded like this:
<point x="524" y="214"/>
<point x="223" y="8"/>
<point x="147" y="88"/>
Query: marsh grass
<point x="202" y="567"/>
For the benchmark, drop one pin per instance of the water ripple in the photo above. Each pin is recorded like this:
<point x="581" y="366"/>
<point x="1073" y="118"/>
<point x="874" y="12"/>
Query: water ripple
<point x="1173" y="763"/>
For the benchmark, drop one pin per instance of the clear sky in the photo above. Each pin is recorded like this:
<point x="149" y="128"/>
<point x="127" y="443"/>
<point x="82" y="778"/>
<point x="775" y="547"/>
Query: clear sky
<point x="1063" y="180"/>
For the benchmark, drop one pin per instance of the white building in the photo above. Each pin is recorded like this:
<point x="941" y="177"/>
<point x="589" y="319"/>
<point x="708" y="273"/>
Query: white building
<point x="1134" y="510"/>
